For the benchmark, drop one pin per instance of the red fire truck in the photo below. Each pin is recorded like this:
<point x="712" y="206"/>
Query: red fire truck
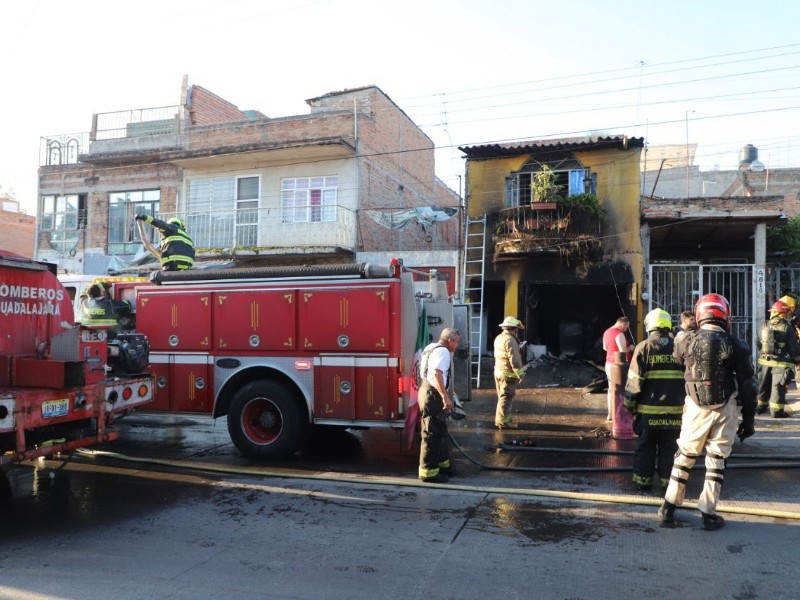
<point x="279" y="349"/>
<point x="61" y="385"/>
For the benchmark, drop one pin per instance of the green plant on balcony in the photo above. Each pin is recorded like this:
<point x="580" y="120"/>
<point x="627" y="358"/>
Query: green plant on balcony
<point x="544" y="187"/>
<point x="587" y="205"/>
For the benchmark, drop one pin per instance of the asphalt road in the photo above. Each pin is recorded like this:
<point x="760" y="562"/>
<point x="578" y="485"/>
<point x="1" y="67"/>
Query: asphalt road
<point x="349" y="519"/>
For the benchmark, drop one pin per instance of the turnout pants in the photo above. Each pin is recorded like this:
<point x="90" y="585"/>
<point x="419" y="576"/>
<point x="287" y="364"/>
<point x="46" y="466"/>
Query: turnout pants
<point x="709" y="430"/>
<point x="434" y="451"/>
<point x="506" y="391"/>
<point x="772" y="384"/>
<point x="656" y="445"/>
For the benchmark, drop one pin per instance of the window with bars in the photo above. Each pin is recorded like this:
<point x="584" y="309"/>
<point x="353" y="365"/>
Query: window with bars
<point x="309" y="199"/>
<point x="572" y="182"/>
<point x="123" y="235"/>
<point x="62" y="218"/>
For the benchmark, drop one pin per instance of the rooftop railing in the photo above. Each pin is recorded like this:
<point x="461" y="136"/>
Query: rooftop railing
<point x="136" y="123"/>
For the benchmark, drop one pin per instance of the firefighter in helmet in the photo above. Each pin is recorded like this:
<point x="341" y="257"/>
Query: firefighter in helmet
<point x="654" y="393"/>
<point x="778" y="353"/>
<point x="177" y="248"/>
<point x="719" y="381"/>
<point x="508" y="370"/>
<point x="99" y="310"/>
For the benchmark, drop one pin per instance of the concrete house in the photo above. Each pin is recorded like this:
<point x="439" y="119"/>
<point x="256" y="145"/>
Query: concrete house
<point x="353" y="180"/>
<point x="567" y="266"/>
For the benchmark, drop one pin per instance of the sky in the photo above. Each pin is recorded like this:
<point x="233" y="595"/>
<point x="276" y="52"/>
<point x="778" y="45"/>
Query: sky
<point x="716" y="74"/>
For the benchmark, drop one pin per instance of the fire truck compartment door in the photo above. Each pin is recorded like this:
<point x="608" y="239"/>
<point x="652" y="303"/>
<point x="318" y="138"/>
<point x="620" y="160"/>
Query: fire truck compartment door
<point x="175" y="321"/>
<point x="348" y="387"/>
<point x="182" y="383"/>
<point x="248" y="320"/>
<point x="352" y="320"/>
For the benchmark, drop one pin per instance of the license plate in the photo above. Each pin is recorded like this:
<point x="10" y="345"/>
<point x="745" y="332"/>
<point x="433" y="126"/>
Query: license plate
<point x="55" y="408"/>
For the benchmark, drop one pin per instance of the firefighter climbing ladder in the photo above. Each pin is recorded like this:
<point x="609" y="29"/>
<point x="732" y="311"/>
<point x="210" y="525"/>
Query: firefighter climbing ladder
<point x="474" y="257"/>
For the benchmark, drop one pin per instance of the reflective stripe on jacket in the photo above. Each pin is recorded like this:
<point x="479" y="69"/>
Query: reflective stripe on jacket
<point x="655" y="382"/>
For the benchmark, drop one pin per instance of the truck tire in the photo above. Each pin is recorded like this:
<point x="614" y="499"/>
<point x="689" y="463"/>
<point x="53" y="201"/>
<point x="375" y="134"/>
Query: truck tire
<point x="264" y="420"/>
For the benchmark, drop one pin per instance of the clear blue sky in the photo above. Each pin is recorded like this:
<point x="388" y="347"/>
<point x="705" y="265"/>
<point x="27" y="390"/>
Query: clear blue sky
<point x="467" y="71"/>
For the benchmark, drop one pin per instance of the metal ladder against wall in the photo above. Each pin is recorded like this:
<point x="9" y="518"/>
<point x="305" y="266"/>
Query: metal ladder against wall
<point x="472" y="286"/>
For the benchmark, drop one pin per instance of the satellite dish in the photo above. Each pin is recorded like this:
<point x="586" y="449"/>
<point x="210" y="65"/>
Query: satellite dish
<point x="756" y="166"/>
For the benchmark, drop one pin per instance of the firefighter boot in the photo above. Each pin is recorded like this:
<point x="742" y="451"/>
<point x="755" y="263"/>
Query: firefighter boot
<point x="667" y="514"/>
<point x="780" y="414"/>
<point x="438" y="478"/>
<point x="712" y="522"/>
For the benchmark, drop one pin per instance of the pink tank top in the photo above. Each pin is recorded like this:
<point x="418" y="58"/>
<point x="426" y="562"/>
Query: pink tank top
<point x="610" y="343"/>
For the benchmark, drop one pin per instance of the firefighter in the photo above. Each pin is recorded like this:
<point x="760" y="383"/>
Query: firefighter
<point x="434" y="405"/>
<point x="654" y="394"/>
<point x="718" y="368"/>
<point x="100" y="310"/>
<point x="508" y="370"/>
<point x="779" y="352"/>
<point x="177" y="248"/>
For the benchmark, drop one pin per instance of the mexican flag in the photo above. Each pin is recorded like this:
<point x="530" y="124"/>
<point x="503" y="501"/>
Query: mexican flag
<point x="412" y="410"/>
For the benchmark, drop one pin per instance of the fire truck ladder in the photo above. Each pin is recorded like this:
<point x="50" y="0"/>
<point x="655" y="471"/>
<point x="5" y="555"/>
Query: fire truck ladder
<point x="472" y="284"/>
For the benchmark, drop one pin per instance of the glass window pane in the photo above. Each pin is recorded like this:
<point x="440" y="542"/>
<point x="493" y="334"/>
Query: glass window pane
<point x="48" y="204"/>
<point x="248" y="188"/>
<point x="47" y="221"/>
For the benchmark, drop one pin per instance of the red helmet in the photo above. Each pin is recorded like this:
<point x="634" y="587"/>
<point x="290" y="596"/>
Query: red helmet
<point x="780" y="308"/>
<point x="712" y="307"/>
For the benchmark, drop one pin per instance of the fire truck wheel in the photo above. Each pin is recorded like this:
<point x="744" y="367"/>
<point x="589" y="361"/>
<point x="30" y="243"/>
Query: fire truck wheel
<point x="264" y="420"/>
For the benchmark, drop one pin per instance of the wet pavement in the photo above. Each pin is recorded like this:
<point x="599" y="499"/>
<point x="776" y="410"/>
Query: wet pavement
<point x="174" y="512"/>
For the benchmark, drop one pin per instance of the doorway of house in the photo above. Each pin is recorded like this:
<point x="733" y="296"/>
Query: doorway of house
<point x="569" y="319"/>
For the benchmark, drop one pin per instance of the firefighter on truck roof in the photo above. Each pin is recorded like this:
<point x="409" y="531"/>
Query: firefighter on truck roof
<point x="177" y="248"/>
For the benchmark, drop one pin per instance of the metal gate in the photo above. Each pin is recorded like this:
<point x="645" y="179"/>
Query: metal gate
<point x="677" y="287"/>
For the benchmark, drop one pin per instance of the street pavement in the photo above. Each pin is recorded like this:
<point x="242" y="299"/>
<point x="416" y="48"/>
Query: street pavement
<point x="172" y="511"/>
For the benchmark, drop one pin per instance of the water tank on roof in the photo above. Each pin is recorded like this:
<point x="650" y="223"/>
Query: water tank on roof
<point x="748" y="154"/>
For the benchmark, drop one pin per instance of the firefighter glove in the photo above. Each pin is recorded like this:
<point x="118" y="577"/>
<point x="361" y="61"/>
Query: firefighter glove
<point x="746" y="429"/>
<point x="141" y="217"/>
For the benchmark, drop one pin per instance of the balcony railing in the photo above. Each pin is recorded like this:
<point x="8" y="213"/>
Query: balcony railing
<point x="543" y="228"/>
<point x="62" y="149"/>
<point x="265" y="230"/>
<point x="136" y="123"/>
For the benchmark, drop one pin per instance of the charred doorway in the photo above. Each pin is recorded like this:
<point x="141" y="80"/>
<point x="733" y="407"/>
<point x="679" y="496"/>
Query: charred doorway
<point x="569" y="319"/>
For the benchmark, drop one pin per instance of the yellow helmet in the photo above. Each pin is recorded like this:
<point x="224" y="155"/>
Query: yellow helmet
<point x="657" y="319"/>
<point x="788" y="301"/>
<point x="512" y="322"/>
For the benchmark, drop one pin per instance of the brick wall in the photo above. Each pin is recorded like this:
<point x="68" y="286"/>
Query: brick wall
<point x="208" y="109"/>
<point x="95" y="184"/>
<point x="19" y="232"/>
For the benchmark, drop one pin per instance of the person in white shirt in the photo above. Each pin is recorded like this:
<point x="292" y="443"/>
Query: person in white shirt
<point x="434" y="404"/>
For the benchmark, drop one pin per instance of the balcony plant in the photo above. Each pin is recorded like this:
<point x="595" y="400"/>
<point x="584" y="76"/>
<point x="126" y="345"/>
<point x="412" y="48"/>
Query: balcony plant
<point x="544" y="188"/>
